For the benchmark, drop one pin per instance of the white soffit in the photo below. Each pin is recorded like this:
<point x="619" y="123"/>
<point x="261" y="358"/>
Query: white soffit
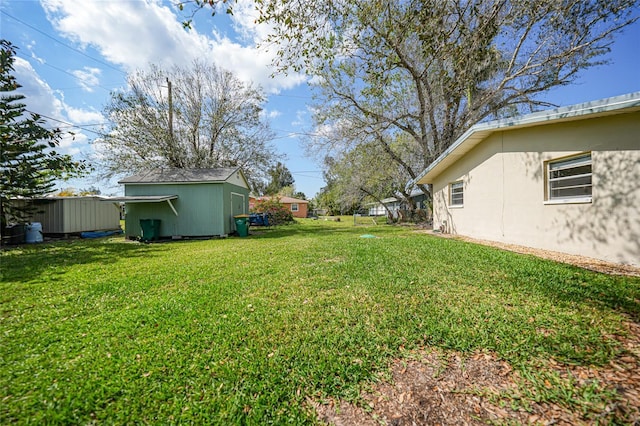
<point x="476" y="134"/>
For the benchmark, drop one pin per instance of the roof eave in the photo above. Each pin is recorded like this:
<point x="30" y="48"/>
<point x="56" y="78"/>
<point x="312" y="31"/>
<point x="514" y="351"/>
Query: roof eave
<point x="222" y="179"/>
<point x="481" y="131"/>
<point x="195" y="182"/>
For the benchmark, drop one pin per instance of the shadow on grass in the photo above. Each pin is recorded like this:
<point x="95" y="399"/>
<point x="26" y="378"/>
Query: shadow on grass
<point x="28" y="262"/>
<point x="291" y="230"/>
<point x="571" y="283"/>
<point x="317" y="229"/>
<point x="536" y="277"/>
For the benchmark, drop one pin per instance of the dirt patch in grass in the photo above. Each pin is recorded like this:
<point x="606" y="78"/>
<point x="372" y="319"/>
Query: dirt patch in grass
<point x="433" y="387"/>
<point x="437" y="388"/>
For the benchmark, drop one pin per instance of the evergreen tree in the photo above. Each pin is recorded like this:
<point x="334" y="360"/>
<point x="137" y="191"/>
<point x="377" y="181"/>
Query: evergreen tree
<point x="280" y="178"/>
<point x="29" y="165"/>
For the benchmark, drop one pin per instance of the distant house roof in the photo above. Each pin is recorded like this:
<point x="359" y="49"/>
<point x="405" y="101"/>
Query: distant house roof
<point x="181" y="176"/>
<point x="283" y="199"/>
<point x="476" y="134"/>
<point x="415" y="193"/>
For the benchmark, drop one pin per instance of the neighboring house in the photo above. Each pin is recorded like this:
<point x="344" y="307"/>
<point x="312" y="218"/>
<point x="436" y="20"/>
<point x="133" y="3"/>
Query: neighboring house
<point x="394" y="204"/>
<point x="188" y="202"/>
<point x="384" y="207"/>
<point x="419" y="199"/>
<point x="73" y="215"/>
<point x="296" y="206"/>
<point x="566" y="180"/>
<point x="252" y="202"/>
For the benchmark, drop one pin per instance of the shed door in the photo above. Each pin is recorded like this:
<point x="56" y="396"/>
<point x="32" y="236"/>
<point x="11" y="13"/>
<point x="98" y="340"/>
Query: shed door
<point x="237" y="206"/>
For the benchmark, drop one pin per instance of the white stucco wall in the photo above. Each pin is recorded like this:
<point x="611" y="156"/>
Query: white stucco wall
<point x="504" y="189"/>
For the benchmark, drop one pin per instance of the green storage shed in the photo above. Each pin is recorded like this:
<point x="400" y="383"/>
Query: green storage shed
<point x="187" y="202"/>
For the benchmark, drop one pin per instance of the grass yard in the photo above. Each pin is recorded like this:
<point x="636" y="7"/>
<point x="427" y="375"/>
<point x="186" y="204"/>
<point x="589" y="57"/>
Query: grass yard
<point x="248" y="330"/>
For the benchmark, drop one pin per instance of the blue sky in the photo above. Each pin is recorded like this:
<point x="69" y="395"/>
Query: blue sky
<point x="73" y="53"/>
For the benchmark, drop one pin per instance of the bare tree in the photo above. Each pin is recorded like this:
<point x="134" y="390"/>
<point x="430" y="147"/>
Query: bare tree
<point x="187" y="117"/>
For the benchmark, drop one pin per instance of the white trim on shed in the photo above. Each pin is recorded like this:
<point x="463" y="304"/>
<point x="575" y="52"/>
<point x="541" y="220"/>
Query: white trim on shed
<point x="145" y="199"/>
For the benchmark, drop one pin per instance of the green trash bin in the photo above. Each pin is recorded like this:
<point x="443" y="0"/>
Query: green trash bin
<point x="242" y="224"/>
<point x="150" y="229"/>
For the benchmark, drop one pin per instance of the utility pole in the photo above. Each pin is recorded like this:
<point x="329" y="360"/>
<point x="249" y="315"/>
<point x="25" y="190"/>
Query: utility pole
<point x="175" y="159"/>
<point x="170" y="109"/>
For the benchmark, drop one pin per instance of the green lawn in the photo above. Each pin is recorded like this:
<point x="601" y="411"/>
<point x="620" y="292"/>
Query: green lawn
<point x="244" y="330"/>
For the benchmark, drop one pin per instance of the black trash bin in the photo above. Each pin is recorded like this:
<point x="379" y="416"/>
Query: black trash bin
<point x="150" y="229"/>
<point x="15" y="234"/>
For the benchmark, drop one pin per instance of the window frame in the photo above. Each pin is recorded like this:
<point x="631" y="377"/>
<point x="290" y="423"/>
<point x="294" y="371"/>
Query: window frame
<point x="566" y="163"/>
<point x="295" y="207"/>
<point x="459" y="184"/>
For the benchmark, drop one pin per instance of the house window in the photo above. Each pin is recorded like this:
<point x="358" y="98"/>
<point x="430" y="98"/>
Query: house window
<point x="294" y="207"/>
<point x="456" y="191"/>
<point x="569" y="179"/>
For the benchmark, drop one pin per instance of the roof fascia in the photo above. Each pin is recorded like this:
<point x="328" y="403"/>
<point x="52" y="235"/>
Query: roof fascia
<point x="481" y="131"/>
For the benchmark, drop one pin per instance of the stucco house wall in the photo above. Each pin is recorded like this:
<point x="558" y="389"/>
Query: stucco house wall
<point x="504" y="188"/>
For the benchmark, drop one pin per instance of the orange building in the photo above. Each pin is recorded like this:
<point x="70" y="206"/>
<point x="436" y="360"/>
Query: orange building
<point x="296" y="206"/>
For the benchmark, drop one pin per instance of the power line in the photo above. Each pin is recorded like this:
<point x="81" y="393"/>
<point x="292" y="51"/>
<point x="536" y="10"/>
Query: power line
<point x="67" y="123"/>
<point x="309" y="177"/>
<point x="49" y="65"/>
<point x="291" y="134"/>
<point x="65" y="72"/>
<point x="63" y="43"/>
<point x="27" y="58"/>
<point x="82" y="126"/>
<point x="291" y="96"/>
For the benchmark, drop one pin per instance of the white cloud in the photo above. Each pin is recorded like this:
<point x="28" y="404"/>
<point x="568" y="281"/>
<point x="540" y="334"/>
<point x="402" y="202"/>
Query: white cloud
<point x="83" y="116"/>
<point x="70" y="141"/>
<point x="132" y="34"/>
<point x="88" y="78"/>
<point x="251" y="64"/>
<point x="301" y="117"/>
<point x="271" y="114"/>
<point x="39" y="96"/>
<point x="245" y="16"/>
<point x="31" y="47"/>
<point x="41" y="99"/>
<point x="136" y="34"/>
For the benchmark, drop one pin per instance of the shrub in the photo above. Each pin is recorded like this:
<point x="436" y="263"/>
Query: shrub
<point x="276" y="211"/>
